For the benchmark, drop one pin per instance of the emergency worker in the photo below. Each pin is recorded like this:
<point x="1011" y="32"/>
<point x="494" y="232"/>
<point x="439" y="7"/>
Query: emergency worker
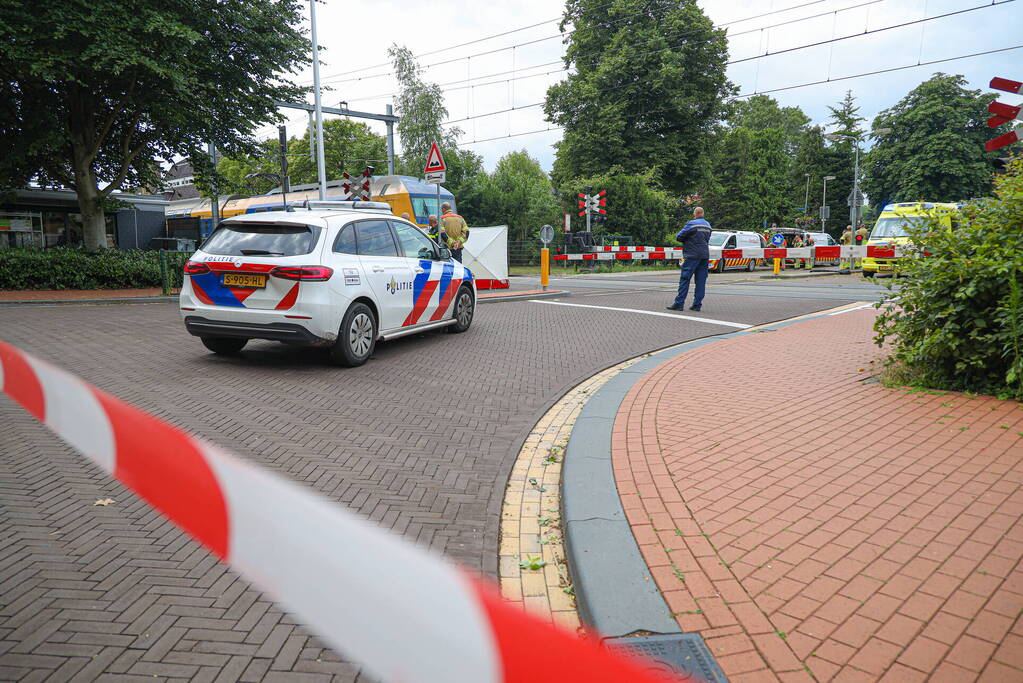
<point x="431" y="229"/>
<point x="861" y="239"/>
<point x="456" y="230"/>
<point x="695" y="239"/>
<point x="797" y="243"/>
<point x="847" y="240"/>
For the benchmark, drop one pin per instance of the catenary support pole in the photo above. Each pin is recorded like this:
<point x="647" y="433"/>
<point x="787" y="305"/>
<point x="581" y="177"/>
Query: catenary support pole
<point x="390" y="141"/>
<point x="321" y="171"/>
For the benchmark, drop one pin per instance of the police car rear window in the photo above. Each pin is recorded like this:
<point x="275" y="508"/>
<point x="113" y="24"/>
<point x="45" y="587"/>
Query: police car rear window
<point x="262" y="239"/>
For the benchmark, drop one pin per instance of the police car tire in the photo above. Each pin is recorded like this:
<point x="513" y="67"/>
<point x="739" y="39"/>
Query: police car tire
<point x="225" y="346"/>
<point x="752" y="265"/>
<point x="464" y="309"/>
<point x="352" y="348"/>
<point x="720" y="266"/>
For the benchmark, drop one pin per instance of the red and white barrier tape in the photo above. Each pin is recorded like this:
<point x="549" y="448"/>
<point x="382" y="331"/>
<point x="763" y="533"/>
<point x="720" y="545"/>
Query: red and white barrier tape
<point x="819" y="253"/>
<point x="405" y="614"/>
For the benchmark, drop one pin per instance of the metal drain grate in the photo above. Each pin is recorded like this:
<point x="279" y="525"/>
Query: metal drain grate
<point x="679" y="653"/>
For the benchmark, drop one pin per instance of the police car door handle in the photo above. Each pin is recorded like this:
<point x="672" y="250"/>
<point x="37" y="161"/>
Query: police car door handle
<point x="419" y="270"/>
<point x="378" y="269"/>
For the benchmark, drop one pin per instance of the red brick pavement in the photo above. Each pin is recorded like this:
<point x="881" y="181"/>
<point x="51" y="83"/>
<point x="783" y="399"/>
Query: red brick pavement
<point x="809" y="523"/>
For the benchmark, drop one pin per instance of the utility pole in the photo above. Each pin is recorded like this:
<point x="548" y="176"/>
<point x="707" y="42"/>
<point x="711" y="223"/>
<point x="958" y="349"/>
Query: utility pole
<point x="282" y="142"/>
<point x="390" y="141"/>
<point x="214" y="200"/>
<point x="806" y="199"/>
<point x="825" y="210"/>
<point x="321" y="170"/>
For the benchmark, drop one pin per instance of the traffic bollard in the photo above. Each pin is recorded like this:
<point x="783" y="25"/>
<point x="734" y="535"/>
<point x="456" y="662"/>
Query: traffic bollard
<point x="777" y="266"/>
<point x="545" y="268"/>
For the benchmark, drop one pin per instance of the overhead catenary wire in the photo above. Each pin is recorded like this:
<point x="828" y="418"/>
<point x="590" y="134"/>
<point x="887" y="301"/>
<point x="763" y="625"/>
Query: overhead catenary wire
<point x="335" y="79"/>
<point x="595" y="62"/>
<point x="788" y="87"/>
<point x="994" y="3"/>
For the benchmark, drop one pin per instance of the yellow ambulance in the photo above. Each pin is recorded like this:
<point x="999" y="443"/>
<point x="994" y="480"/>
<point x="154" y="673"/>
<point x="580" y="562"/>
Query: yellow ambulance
<point x="891" y="230"/>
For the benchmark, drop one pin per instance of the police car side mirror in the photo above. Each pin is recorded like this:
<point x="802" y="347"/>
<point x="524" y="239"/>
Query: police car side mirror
<point x="444" y="254"/>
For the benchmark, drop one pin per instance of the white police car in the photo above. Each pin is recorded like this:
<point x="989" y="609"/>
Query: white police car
<point x="336" y="274"/>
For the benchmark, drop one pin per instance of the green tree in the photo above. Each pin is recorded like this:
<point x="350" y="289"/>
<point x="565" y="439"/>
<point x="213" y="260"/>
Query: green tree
<point x="347" y="145"/>
<point x="647" y="86"/>
<point x="936" y="148"/>
<point x="522" y="196"/>
<point x="96" y="91"/>
<point x="811" y="159"/>
<point x="422" y="110"/>
<point x="762" y="111"/>
<point x="636" y="205"/>
<point x="844" y="120"/>
<point x="755" y="182"/>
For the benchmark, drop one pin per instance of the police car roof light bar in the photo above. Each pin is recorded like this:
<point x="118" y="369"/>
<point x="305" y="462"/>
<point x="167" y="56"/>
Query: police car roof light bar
<point x="342" y="204"/>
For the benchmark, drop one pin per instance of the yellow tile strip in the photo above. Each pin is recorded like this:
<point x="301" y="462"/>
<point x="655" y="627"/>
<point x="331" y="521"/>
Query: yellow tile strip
<point x="532" y="568"/>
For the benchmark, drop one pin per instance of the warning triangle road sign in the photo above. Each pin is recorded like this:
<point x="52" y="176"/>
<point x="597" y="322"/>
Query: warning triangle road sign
<point x="435" y="162"/>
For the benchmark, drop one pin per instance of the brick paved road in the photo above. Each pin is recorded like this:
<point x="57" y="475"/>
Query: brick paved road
<point x="850" y="530"/>
<point x="420" y="440"/>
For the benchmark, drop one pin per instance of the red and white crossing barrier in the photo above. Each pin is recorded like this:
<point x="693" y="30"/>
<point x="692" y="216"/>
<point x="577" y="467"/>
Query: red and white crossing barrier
<point x="404" y="613"/>
<point x="819" y="253"/>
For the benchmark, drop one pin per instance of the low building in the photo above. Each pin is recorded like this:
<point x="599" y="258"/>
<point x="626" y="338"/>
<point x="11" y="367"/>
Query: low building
<point x="36" y="217"/>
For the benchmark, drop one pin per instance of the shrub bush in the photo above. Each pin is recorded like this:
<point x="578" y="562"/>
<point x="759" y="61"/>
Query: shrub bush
<point x="67" y="268"/>
<point x="957" y="320"/>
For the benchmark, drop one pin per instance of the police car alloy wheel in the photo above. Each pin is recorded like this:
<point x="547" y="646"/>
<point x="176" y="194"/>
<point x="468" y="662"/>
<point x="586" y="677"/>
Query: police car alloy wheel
<point x="225" y="346"/>
<point x="464" y="309"/>
<point x="357" y="337"/>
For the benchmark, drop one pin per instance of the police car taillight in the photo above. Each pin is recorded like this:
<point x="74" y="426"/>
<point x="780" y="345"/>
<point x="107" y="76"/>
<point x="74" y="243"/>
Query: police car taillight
<point x="303" y="273"/>
<point x="196" y="268"/>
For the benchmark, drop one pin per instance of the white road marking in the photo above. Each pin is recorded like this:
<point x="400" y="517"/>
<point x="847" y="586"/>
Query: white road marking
<point x="850" y="310"/>
<point x="657" y="313"/>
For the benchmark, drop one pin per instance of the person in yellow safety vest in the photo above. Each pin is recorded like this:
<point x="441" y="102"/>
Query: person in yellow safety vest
<point x="797" y="243"/>
<point x="809" y="243"/>
<point x="455" y="229"/>
<point x="847" y="239"/>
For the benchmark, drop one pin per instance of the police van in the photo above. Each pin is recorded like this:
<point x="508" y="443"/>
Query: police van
<point x="341" y="275"/>
<point x="734" y="239"/>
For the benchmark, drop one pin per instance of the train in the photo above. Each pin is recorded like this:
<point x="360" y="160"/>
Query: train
<point x="193" y="218"/>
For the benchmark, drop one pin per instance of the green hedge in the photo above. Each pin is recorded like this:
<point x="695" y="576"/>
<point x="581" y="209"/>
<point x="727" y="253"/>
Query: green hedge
<point x="67" y="268"/>
<point x="956" y="321"/>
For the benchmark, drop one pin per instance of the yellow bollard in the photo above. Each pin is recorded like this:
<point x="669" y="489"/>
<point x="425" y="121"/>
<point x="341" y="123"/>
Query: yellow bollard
<point x="545" y="267"/>
<point x="777" y="266"/>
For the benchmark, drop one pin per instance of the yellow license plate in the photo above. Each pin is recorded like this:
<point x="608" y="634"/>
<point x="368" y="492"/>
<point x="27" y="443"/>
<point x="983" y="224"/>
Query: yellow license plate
<point x="884" y="266"/>
<point x="245" y="280"/>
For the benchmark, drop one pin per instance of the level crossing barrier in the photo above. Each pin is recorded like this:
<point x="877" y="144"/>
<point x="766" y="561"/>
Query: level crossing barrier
<point x="404" y="613"/>
<point x="818" y="253"/>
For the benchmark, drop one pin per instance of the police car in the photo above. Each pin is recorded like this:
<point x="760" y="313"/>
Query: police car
<point x="341" y="275"/>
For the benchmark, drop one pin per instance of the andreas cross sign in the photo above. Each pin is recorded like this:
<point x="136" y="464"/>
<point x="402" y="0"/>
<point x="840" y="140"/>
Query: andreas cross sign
<point x="435" y="170"/>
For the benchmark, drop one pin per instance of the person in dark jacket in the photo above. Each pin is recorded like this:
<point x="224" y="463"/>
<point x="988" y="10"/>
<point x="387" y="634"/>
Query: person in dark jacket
<point x="695" y="238"/>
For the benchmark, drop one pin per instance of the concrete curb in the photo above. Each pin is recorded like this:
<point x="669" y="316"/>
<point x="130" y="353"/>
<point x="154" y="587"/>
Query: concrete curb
<point x="615" y="593"/>
<point x="799" y="276"/>
<point x="69" y="302"/>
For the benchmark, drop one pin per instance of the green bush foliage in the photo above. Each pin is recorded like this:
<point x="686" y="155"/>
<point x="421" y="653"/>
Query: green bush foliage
<point x="65" y="268"/>
<point x="957" y="321"/>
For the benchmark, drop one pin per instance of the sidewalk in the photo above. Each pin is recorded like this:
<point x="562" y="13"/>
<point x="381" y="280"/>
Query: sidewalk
<point x="808" y="522"/>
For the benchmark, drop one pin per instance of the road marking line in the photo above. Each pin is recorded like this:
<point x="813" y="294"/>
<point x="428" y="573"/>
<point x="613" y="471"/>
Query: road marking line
<point x="657" y="313"/>
<point x="849" y="310"/>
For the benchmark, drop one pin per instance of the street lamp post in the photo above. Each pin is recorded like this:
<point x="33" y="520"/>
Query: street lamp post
<point x="806" y="198"/>
<point x="321" y="170"/>
<point x="824" y="203"/>
<point x="854" y="214"/>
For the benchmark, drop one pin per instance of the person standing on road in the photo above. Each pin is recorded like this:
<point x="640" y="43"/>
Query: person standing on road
<point x="456" y="229"/>
<point x="847" y="240"/>
<point x="431" y="228"/>
<point x="695" y="239"/>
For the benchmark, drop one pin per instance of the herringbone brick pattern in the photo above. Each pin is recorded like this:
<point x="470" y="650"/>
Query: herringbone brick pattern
<point x="420" y="440"/>
<point x="809" y="523"/>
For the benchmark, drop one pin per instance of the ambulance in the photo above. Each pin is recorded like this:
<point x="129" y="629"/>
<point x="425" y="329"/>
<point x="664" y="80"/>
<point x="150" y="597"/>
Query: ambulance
<point x="892" y="229"/>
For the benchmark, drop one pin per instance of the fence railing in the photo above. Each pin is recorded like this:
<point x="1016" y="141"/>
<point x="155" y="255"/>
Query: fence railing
<point x="172" y="264"/>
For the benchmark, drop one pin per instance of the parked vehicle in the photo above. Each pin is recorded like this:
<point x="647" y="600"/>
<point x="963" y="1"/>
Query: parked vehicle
<point x="891" y="229"/>
<point x="341" y="275"/>
<point x="734" y="239"/>
<point x="823" y="239"/>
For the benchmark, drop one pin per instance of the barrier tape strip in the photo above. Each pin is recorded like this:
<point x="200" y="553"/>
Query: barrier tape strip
<point x="819" y="253"/>
<point x="404" y="613"/>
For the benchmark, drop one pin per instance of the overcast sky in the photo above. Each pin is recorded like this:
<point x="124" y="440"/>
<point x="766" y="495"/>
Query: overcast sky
<point x="355" y="43"/>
